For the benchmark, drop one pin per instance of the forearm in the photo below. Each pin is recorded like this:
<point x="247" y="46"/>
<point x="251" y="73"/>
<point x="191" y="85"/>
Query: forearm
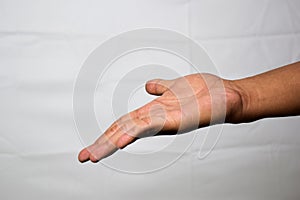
<point x="275" y="93"/>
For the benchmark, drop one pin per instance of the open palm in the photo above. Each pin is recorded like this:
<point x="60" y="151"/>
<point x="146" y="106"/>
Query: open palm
<point x="184" y="104"/>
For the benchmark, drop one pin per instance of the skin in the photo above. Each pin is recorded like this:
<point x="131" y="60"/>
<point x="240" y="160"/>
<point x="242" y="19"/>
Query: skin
<point x="200" y="100"/>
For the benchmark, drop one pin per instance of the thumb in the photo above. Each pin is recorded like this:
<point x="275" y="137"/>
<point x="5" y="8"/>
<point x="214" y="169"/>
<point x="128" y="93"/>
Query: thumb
<point x="157" y="86"/>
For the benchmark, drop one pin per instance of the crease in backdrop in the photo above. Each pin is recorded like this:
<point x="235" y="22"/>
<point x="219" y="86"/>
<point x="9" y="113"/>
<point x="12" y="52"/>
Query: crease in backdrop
<point x="43" y="44"/>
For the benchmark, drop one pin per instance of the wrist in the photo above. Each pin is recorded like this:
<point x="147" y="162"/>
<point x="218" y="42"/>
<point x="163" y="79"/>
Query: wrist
<point x="238" y="101"/>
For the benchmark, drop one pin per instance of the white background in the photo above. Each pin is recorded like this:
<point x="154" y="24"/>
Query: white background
<point x="43" y="44"/>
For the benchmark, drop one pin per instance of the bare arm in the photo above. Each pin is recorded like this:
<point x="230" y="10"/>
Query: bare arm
<point x="275" y="93"/>
<point x="199" y="100"/>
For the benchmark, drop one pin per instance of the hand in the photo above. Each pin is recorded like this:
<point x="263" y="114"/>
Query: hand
<point x="184" y="104"/>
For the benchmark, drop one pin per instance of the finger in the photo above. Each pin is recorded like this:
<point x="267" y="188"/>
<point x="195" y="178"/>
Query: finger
<point x="143" y="122"/>
<point x="96" y="152"/>
<point x="84" y="155"/>
<point x="145" y="125"/>
<point x="100" y="151"/>
<point x="125" y="140"/>
<point x="127" y="134"/>
<point x="158" y="86"/>
<point x="113" y="128"/>
<point x="105" y="147"/>
<point x="107" y="143"/>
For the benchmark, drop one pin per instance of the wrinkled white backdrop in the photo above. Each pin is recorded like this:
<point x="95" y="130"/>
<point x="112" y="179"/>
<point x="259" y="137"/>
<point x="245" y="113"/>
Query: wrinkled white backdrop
<point x="43" y="45"/>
